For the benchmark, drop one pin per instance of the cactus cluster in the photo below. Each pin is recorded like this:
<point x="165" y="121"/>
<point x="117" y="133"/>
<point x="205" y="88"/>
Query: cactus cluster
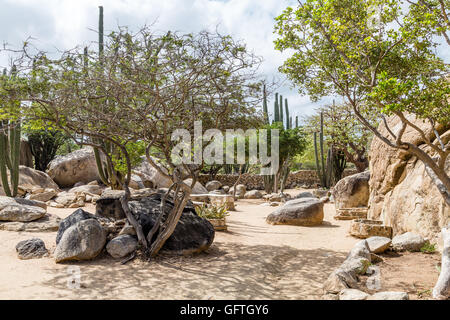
<point x="280" y="114"/>
<point x="331" y="171"/>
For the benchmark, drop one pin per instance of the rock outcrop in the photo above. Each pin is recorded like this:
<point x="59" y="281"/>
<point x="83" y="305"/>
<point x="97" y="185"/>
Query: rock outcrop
<point x="151" y="177"/>
<point x="401" y="193"/>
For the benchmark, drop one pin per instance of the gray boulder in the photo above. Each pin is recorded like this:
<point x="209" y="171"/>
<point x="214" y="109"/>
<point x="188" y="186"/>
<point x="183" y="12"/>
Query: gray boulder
<point x="352" y="191"/>
<point x="74" y="218"/>
<point x="192" y="233"/>
<point x="47" y="223"/>
<point x="253" y="194"/>
<point x="20" y="210"/>
<point x="121" y="246"/>
<point x="213" y="185"/>
<point x="441" y="290"/>
<point x="378" y="244"/>
<point x="31" y="249"/>
<point x="299" y="212"/>
<point x="408" y="242"/>
<point x="82" y="241"/>
<point x="304" y="194"/>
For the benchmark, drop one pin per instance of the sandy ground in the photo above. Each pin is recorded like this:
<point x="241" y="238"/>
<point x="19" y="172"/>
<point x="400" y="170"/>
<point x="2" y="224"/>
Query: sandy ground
<point x="252" y="260"/>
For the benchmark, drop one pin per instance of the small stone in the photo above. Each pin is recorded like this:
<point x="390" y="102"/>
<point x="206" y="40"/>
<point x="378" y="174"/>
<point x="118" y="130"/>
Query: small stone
<point x="31" y="249"/>
<point x="121" y="246"/>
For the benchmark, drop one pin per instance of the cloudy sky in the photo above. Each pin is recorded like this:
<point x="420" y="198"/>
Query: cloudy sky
<point x="66" y="24"/>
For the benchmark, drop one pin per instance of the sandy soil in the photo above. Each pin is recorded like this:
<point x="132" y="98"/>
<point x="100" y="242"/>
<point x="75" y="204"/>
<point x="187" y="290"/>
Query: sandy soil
<point x="252" y="260"/>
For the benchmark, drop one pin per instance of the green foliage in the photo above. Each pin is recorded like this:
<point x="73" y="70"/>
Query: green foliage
<point x="211" y="212"/>
<point x="44" y="143"/>
<point x="344" y="47"/>
<point x="428" y="248"/>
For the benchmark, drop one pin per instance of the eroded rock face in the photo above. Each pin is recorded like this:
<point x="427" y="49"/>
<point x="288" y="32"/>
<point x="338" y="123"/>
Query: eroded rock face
<point x="82" y="241"/>
<point x="77" y="166"/>
<point x="31" y="249"/>
<point x="19" y="210"/>
<point x="401" y="193"/>
<point x="299" y="212"/>
<point x="352" y="191"/>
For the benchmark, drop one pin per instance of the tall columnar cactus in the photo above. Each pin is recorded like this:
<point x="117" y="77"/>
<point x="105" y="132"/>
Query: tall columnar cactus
<point x="276" y="111"/>
<point x="287" y="114"/>
<point x="10" y="156"/>
<point x="296" y="121"/>
<point x="265" y="111"/>
<point x="281" y="109"/>
<point x="323" y="172"/>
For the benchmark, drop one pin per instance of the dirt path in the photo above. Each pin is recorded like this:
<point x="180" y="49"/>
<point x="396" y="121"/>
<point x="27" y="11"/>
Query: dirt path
<point x="252" y="260"/>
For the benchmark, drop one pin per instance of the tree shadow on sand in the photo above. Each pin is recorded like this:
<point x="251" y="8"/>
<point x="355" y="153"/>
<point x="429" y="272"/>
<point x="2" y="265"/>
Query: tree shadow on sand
<point x="224" y="271"/>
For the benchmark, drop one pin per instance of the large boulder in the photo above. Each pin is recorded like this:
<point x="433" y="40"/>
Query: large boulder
<point x="442" y="288"/>
<point x="30" y="179"/>
<point x="401" y="193"/>
<point x="389" y="295"/>
<point x="77" y="166"/>
<point x="150" y="176"/>
<point x="192" y="233"/>
<point x="31" y="249"/>
<point x="74" y="218"/>
<point x="299" y="212"/>
<point x="352" y="191"/>
<point x="82" y="241"/>
<point x="20" y="210"/>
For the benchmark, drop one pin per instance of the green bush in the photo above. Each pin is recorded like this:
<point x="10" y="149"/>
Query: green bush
<point x="211" y="212"/>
